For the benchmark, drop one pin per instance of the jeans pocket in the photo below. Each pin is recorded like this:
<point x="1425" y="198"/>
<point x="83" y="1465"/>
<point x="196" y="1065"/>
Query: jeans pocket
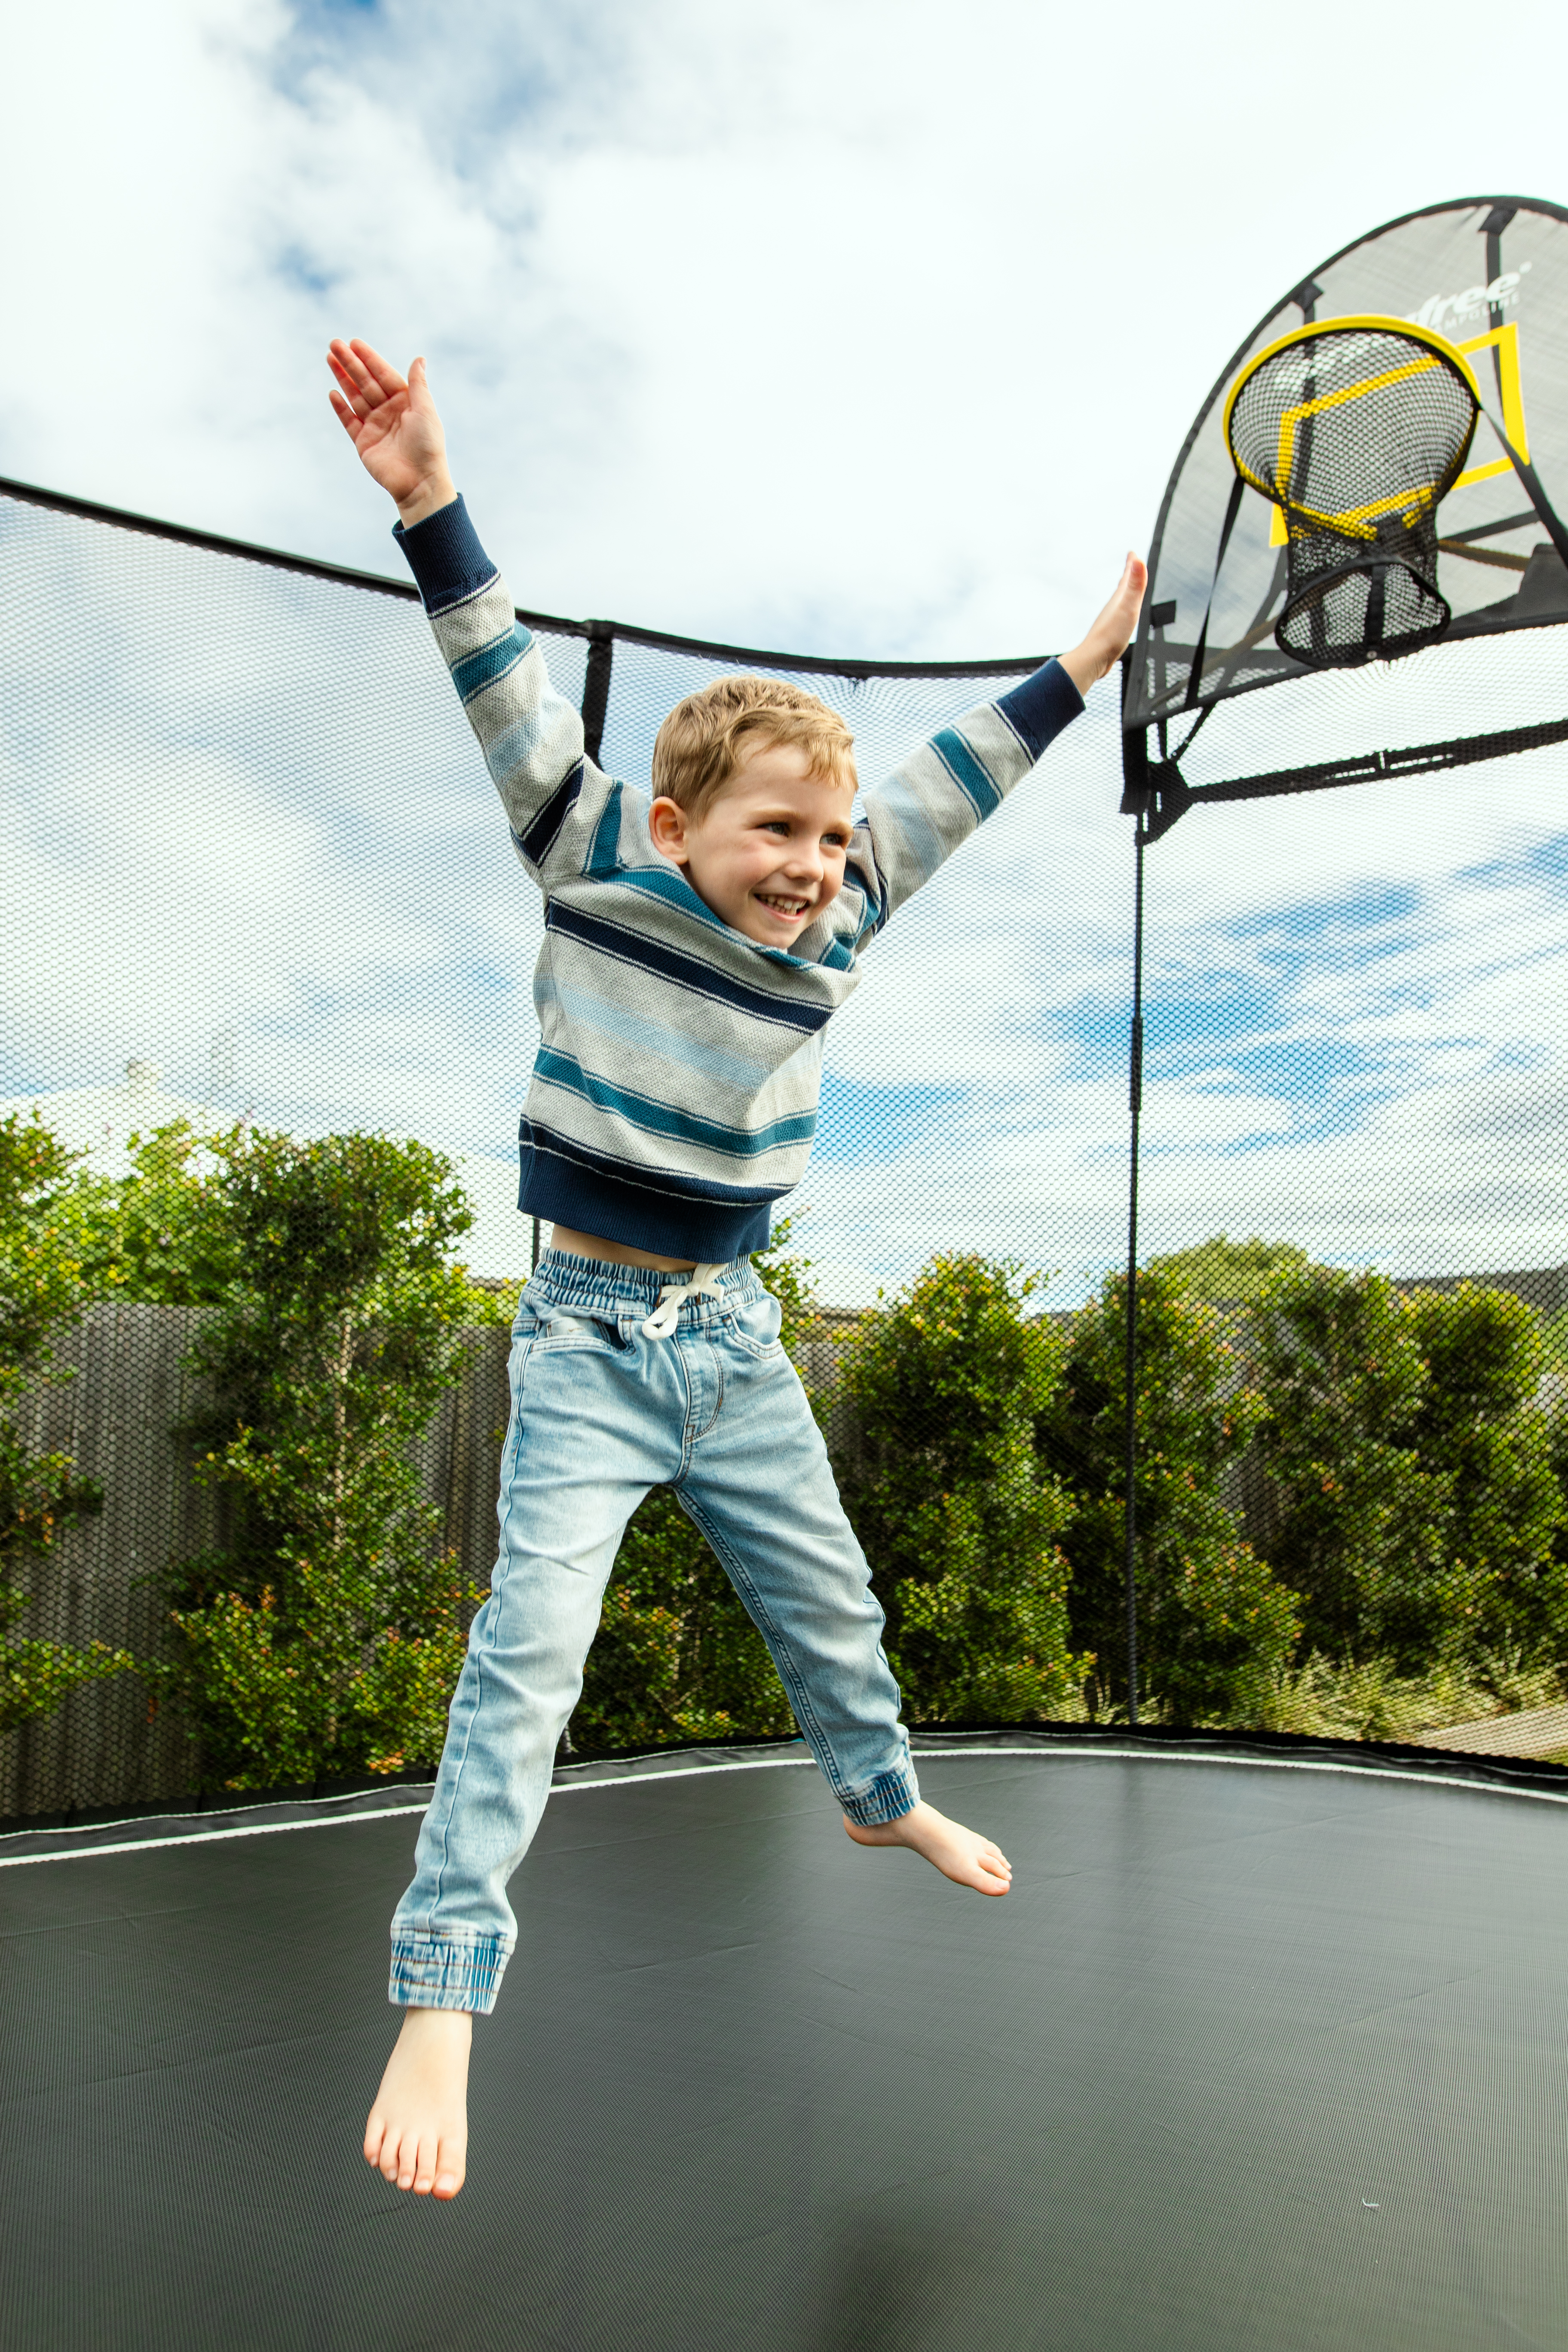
<point x="756" y="1328"/>
<point x="580" y="1333"/>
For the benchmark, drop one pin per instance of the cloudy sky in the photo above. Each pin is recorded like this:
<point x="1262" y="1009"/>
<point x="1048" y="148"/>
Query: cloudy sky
<point x="860" y="327"/>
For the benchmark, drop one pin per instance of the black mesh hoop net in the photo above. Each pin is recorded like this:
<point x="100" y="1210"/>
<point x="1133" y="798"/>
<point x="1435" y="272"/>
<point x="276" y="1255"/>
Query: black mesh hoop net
<point x="1355" y="430"/>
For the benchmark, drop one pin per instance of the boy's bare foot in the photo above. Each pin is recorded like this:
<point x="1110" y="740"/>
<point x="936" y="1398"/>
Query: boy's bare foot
<point x="417" y="2136"/>
<point x="956" y="1851"/>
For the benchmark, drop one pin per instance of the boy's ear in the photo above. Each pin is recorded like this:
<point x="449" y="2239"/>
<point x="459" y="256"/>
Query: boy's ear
<point x="668" y="823"/>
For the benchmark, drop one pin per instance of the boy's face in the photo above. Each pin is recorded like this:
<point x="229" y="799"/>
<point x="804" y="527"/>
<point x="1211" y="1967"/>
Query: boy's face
<point x="767" y="854"/>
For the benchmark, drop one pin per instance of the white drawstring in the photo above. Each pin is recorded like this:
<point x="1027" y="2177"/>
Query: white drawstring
<point x="661" y="1323"/>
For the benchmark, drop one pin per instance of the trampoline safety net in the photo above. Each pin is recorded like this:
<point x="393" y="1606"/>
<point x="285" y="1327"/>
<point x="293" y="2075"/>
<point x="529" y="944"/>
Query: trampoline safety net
<point x="268" y="1029"/>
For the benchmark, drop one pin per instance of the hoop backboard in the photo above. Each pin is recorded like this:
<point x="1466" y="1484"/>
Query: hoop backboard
<point x="1489" y="274"/>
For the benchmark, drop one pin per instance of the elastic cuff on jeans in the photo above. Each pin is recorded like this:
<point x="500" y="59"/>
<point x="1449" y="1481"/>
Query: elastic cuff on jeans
<point x="444" y="1972"/>
<point x="890" y="1796"/>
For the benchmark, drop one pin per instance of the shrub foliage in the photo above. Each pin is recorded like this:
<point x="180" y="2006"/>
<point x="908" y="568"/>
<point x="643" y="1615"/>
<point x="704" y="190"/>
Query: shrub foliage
<point x="323" y="1637"/>
<point x="1216" y="1624"/>
<point x="959" y="1515"/>
<point x="42" y="1290"/>
<point x="1420" y="1509"/>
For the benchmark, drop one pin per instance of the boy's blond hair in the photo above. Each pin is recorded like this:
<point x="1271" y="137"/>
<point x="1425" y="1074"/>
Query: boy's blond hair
<point x="706" y="738"/>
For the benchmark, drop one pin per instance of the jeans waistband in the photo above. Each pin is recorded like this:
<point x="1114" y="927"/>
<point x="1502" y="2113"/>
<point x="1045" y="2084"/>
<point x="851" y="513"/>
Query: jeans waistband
<point x="593" y="1286"/>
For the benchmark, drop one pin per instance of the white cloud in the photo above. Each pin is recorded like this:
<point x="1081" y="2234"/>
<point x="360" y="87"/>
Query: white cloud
<point x="859" y="323"/>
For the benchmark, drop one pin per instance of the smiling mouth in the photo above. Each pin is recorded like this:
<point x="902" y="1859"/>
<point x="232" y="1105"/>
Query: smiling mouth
<point x="787" y="909"/>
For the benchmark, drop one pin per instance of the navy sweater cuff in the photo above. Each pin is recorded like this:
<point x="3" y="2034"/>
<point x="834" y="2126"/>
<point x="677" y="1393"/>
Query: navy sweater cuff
<point x="445" y="556"/>
<point x="1041" y="707"/>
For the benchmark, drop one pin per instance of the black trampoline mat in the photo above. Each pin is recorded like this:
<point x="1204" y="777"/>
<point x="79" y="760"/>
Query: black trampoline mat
<point x="1251" y="2057"/>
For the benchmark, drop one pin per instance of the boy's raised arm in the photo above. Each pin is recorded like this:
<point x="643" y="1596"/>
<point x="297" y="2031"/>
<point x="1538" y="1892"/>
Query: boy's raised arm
<point x="532" y="737"/>
<point x="924" y="812"/>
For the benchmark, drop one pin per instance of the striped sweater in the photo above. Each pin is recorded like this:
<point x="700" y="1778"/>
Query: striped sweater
<point x="674" y="1094"/>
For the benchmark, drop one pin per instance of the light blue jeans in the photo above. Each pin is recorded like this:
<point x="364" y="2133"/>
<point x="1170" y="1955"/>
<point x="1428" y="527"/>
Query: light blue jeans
<point x="600" y="1414"/>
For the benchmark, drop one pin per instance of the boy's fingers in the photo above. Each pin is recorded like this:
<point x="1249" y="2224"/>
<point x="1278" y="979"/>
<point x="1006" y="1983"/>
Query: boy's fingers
<point x="379" y="372"/>
<point x="349" y="365"/>
<point x="344" y="390"/>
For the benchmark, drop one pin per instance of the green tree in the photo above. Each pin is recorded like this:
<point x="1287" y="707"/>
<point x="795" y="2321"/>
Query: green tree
<point x="1482" y="1429"/>
<point x="1216" y="1625"/>
<point x="1479" y="1424"/>
<point x="1229" y="1273"/>
<point x="159" y="1233"/>
<point x="42" y="1292"/>
<point x="958" y="1517"/>
<point x="1366" y="1522"/>
<point x="324" y="1635"/>
<point x="1421" y="1481"/>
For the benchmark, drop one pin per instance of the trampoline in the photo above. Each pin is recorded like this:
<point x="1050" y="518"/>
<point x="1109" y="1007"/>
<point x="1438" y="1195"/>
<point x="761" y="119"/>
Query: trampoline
<point x="1265" y="2050"/>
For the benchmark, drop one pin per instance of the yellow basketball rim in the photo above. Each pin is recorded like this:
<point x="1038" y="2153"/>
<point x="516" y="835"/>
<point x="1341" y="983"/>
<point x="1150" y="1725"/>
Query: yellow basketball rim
<point x="1354" y="522"/>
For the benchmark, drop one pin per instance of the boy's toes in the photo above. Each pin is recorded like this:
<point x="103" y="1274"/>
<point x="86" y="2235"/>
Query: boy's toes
<point x="449" y="2172"/>
<point x="994" y="1872"/>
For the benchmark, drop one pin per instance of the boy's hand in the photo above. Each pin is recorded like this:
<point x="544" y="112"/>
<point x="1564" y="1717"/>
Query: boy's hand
<point x="1112" y="632"/>
<point x="392" y="422"/>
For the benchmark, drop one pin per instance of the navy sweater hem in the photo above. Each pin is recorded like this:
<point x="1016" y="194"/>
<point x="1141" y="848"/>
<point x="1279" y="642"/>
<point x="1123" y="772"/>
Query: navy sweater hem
<point x="707" y="1232"/>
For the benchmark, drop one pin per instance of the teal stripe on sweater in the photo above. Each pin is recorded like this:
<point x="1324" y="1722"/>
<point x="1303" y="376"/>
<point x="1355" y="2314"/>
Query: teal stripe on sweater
<point x="604" y="855"/>
<point x="476" y="671"/>
<point x="967" y="770"/>
<point x="661" y="1119"/>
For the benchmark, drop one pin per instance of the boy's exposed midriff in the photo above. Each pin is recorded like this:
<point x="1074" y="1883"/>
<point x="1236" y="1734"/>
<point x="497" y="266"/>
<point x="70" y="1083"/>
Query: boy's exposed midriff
<point x="616" y="1252"/>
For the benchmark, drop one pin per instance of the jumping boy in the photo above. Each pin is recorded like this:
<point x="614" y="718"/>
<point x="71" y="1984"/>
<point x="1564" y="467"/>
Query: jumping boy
<point x="696" y="946"/>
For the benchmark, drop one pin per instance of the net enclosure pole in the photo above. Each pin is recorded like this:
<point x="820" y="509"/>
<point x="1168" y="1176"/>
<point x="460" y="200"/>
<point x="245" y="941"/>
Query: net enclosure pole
<point x="596" y="686"/>
<point x="1135" y="1111"/>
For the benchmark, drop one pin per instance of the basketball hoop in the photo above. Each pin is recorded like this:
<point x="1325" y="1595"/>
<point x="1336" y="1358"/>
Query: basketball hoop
<point x="1355" y="429"/>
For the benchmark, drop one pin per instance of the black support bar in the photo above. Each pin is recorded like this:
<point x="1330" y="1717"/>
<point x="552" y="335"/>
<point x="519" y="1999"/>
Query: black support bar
<point x="1162" y="793"/>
